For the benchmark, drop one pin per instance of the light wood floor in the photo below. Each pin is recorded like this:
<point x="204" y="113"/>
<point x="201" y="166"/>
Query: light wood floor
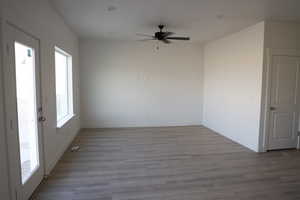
<point x="174" y="163"/>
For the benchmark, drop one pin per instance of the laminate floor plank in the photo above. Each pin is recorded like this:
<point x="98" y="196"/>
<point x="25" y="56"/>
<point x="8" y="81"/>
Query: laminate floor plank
<point x="169" y="163"/>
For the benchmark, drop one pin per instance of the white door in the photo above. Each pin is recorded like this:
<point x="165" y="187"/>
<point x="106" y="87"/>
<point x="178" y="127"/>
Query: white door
<point x="284" y="102"/>
<point x="23" y="111"/>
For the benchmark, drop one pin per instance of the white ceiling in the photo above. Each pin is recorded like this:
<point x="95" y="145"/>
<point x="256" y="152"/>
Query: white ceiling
<point x="202" y="20"/>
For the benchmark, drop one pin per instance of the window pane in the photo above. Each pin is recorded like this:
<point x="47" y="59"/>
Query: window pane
<point x="27" y="112"/>
<point x="61" y="74"/>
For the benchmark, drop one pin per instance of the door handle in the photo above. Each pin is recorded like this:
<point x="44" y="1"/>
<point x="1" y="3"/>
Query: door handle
<point x="42" y="119"/>
<point x="272" y="108"/>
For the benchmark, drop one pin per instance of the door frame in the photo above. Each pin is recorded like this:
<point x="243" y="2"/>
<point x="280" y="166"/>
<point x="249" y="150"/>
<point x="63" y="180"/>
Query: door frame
<point x="6" y="25"/>
<point x="266" y="93"/>
<point x="3" y="149"/>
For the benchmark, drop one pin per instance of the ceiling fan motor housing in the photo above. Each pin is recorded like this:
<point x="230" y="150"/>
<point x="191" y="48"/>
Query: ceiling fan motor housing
<point x="159" y="35"/>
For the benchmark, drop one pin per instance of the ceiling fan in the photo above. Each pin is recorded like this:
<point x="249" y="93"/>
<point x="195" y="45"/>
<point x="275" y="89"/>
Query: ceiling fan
<point x="163" y="36"/>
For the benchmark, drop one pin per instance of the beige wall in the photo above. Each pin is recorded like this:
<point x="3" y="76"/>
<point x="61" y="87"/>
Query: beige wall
<point x="39" y="19"/>
<point x="233" y="85"/>
<point x="130" y="84"/>
<point x="282" y="35"/>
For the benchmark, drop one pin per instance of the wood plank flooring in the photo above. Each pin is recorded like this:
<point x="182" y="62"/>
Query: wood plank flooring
<point x="172" y="163"/>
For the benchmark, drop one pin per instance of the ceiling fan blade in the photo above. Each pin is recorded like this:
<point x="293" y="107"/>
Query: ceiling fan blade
<point x="146" y="39"/>
<point x="144" y="35"/>
<point x="166" y="41"/>
<point x="178" y="38"/>
<point x="167" y="34"/>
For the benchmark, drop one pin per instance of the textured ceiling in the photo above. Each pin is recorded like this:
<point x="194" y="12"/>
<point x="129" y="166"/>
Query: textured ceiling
<point x="202" y="20"/>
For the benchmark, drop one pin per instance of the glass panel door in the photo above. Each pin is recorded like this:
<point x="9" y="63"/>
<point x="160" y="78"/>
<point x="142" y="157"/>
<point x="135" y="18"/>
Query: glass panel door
<point x="23" y="111"/>
<point x="26" y="110"/>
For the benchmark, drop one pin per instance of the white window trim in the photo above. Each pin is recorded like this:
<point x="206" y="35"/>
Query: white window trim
<point x="67" y="118"/>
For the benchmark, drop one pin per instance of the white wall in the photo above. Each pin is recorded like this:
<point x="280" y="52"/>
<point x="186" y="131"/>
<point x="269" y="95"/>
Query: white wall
<point x="131" y="84"/>
<point x="39" y="19"/>
<point x="233" y="84"/>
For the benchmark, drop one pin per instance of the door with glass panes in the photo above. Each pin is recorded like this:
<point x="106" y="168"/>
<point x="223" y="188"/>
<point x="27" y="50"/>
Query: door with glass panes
<point x="23" y="111"/>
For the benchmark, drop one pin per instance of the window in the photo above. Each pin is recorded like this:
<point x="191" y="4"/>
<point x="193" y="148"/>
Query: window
<point x="64" y="89"/>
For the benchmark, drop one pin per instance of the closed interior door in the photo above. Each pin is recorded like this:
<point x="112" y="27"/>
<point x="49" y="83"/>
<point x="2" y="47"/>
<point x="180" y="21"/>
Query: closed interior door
<point x="284" y="102"/>
<point x="23" y="112"/>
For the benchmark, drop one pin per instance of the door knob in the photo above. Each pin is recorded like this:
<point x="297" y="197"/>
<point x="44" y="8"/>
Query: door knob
<point x="272" y="108"/>
<point x="42" y="119"/>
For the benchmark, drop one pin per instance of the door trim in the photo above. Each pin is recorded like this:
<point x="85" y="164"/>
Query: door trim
<point x="266" y="93"/>
<point x="2" y="104"/>
<point x="6" y="62"/>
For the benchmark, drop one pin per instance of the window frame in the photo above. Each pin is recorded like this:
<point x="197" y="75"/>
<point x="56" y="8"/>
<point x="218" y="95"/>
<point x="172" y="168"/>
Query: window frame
<point x="61" y="122"/>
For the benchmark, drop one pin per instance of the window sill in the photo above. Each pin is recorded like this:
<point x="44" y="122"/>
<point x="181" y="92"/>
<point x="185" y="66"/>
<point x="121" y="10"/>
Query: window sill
<point x="64" y="121"/>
